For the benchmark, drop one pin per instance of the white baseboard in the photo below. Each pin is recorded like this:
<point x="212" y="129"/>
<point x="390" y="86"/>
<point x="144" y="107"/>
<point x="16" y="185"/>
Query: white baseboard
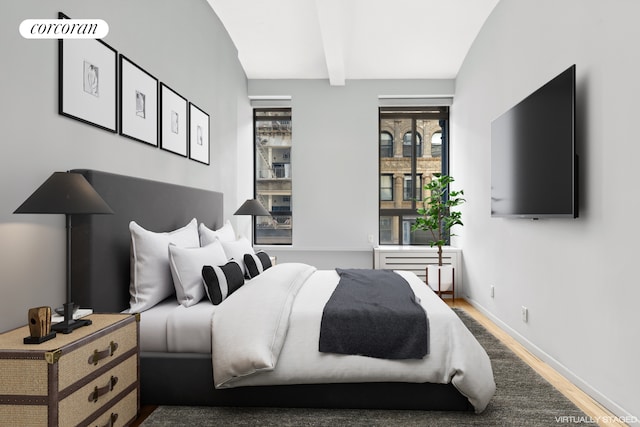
<point x="614" y="408"/>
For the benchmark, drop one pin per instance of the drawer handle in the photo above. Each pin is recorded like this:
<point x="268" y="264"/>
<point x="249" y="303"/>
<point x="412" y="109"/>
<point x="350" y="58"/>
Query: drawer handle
<point x="111" y="422"/>
<point x="101" y="391"/>
<point x="99" y="355"/>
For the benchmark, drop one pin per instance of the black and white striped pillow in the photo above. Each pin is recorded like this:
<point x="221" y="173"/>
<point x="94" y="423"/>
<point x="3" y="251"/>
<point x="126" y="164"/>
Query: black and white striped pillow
<point x="256" y="263"/>
<point x="222" y="281"/>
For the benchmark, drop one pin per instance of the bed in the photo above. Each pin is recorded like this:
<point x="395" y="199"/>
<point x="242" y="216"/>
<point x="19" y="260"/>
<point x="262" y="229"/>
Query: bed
<point x="176" y="363"/>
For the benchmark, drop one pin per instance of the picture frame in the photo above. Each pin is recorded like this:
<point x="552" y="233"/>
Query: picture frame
<point x="87" y="81"/>
<point x="173" y="121"/>
<point x="138" y="103"/>
<point x="199" y="135"/>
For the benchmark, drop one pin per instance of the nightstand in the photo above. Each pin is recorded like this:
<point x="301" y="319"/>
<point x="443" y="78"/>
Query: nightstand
<point x="90" y="376"/>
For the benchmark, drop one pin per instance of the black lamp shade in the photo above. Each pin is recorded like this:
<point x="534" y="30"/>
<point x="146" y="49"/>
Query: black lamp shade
<point x="252" y="207"/>
<point x="70" y="194"/>
<point x="65" y="193"/>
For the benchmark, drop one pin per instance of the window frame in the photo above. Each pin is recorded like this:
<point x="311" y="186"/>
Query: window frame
<point x="440" y="113"/>
<point x="274" y="213"/>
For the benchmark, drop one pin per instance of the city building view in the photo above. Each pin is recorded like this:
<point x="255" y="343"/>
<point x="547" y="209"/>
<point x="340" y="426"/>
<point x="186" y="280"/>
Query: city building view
<point x="272" y="130"/>
<point x="413" y="146"/>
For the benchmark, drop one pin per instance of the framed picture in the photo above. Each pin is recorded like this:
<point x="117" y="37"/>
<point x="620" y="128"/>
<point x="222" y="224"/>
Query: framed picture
<point x="198" y="135"/>
<point x="138" y="103"/>
<point x="173" y="121"/>
<point x="87" y="74"/>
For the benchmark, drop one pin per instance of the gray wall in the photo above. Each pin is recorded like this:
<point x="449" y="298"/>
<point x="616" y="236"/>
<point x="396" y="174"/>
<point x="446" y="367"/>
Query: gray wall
<point x="183" y="44"/>
<point x="335" y="165"/>
<point x="578" y="278"/>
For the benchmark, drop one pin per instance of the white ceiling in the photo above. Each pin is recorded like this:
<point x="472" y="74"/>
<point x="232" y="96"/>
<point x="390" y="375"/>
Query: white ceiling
<point x="352" y="39"/>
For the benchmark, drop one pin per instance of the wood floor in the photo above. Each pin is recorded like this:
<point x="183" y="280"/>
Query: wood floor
<point x="589" y="406"/>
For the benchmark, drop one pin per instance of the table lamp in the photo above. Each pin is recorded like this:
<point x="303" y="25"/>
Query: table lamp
<point x="69" y="194"/>
<point x="252" y="207"/>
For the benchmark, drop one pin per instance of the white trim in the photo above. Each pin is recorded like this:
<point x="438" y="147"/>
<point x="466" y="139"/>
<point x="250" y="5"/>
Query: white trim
<point x="414" y="101"/>
<point x="270" y="101"/>
<point x="559" y="367"/>
<point x="290" y="248"/>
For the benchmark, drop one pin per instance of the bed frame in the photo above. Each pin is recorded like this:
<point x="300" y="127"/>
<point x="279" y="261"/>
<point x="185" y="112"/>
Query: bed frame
<point x="100" y="280"/>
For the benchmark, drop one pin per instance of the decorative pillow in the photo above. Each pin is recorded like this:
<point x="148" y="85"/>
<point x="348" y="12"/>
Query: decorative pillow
<point x="224" y="234"/>
<point x="186" y="268"/>
<point x="222" y="281"/>
<point x="151" y="280"/>
<point x="256" y="263"/>
<point x="237" y="249"/>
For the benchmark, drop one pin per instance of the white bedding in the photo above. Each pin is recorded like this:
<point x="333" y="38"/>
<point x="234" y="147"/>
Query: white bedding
<point x="171" y="327"/>
<point x="286" y="301"/>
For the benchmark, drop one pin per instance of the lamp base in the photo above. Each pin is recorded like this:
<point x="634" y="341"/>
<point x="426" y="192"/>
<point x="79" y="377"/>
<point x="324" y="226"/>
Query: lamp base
<point x="60" y="310"/>
<point x="68" y="326"/>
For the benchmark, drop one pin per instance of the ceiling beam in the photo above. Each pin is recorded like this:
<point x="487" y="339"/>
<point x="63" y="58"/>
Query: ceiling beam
<point x="331" y="15"/>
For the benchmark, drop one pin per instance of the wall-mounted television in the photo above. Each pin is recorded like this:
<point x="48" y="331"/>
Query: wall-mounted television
<point x="533" y="154"/>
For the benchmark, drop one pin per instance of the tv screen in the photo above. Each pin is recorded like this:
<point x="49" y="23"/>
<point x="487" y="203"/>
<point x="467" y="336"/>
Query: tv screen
<point x="533" y="158"/>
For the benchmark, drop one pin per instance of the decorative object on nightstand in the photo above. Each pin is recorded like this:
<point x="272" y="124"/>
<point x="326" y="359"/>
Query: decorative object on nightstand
<point x="39" y="325"/>
<point x="437" y="217"/>
<point x="70" y="194"/>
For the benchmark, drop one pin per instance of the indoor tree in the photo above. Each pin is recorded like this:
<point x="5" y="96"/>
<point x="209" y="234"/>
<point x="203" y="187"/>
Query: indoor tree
<point x="436" y="215"/>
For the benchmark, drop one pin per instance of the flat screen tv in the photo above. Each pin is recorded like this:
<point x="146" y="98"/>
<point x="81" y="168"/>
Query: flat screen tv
<point x="533" y="154"/>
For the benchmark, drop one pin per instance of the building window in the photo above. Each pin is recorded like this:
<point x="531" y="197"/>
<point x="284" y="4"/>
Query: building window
<point x="409" y="191"/>
<point x="436" y="144"/>
<point x="386" y="187"/>
<point x="421" y="158"/>
<point x="408" y="143"/>
<point x="272" y="158"/>
<point x="386" y="144"/>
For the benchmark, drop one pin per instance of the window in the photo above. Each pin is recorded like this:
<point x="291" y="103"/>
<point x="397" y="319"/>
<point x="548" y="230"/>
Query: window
<point x="386" y="144"/>
<point x="436" y="144"/>
<point x="411" y="193"/>
<point x="272" y="159"/>
<point x="422" y="136"/>
<point x="386" y="187"/>
<point x="408" y="143"/>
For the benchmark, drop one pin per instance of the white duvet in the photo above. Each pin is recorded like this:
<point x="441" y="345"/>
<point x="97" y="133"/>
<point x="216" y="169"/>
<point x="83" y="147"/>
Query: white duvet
<point x="267" y="333"/>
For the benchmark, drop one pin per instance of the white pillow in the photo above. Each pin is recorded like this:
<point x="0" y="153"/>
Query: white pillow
<point x="224" y="234"/>
<point x="186" y="268"/>
<point x="151" y="280"/>
<point x="237" y="249"/>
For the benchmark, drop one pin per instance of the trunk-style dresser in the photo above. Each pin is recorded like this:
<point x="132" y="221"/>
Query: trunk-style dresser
<point x="88" y="377"/>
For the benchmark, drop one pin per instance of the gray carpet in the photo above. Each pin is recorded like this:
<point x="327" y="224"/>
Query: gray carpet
<point x="523" y="398"/>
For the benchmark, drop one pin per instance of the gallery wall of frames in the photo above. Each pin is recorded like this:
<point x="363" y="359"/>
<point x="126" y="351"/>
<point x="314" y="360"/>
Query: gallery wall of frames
<point x="102" y="88"/>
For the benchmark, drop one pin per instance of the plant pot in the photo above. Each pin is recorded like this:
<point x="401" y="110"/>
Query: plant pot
<point x="444" y="273"/>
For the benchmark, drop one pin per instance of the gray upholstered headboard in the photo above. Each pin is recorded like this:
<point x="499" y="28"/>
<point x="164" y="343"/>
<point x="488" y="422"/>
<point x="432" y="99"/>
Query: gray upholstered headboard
<point x="101" y="243"/>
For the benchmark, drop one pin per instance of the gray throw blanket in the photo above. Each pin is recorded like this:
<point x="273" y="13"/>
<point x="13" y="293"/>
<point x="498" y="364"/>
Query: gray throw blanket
<point x="374" y="313"/>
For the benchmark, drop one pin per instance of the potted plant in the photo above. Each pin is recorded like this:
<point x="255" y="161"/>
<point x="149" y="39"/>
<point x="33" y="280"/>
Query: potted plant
<point x="437" y="217"/>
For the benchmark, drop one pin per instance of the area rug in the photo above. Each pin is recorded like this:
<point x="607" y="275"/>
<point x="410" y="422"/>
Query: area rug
<point x="522" y="398"/>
